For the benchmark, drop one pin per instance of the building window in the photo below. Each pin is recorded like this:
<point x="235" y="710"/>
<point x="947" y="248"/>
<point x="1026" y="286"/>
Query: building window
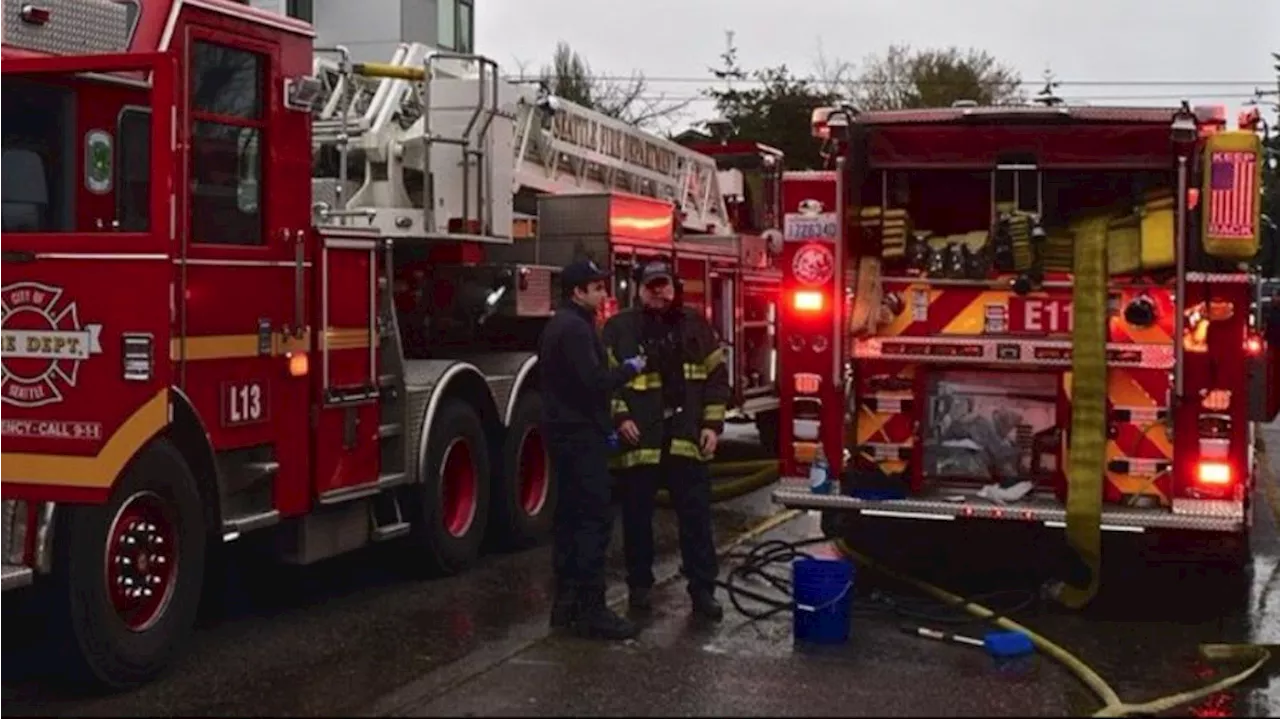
<point x="301" y="9"/>
<point x="455" y="25"/>
<point x="226" y="145"/>
<point x="466" y="27"/>
<point x="133" y="169"/>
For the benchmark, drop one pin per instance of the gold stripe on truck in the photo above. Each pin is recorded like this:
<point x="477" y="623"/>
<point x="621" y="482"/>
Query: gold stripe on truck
<point x="215" y="347"/>
<point x="99" y="471"/>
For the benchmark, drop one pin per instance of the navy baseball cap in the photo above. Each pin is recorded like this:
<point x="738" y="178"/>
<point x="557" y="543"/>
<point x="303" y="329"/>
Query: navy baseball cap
<point x="656" y="270"/>
<point x="580" y="273"/>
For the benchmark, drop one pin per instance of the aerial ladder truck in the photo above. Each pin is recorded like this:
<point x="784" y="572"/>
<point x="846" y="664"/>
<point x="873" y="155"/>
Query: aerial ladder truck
<point x="256" y="292"/>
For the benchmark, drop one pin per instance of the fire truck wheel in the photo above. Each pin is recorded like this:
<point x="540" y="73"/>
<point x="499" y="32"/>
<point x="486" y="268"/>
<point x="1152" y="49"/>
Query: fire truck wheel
<point x="129" y="574"/>
<point x="525" y="500"/>
<point x="454" y="490"/>
<point x="767" y="428"/>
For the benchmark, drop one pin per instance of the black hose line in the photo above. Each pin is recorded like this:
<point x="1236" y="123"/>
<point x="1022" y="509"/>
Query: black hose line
<point x="757" y="566"/>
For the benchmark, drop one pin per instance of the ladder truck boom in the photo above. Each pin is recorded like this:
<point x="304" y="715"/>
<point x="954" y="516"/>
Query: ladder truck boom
<point x="433" y="112"/>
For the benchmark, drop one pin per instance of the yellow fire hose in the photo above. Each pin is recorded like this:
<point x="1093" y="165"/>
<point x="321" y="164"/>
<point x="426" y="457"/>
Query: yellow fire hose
<point x="1086" y="459"/>
<point x="1112" y="704"/>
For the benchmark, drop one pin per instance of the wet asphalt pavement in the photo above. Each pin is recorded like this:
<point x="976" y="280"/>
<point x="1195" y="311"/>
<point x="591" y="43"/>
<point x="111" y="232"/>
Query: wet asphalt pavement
<point x="355" y="636"/>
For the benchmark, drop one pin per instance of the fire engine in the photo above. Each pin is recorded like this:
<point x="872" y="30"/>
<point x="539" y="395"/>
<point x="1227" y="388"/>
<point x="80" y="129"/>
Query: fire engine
<point x="1033" y="314"/>
<point x="255" y="290"/>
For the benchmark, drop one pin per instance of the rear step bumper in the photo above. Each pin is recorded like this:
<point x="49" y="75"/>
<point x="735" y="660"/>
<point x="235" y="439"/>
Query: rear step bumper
<point x="962" y="502"/>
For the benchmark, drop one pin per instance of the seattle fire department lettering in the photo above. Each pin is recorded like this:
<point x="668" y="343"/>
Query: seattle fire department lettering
<point x="42" y="344"/>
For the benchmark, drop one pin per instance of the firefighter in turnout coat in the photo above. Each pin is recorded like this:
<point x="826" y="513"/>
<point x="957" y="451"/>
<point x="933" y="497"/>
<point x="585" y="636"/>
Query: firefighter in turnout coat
<point x="669" y="419"/>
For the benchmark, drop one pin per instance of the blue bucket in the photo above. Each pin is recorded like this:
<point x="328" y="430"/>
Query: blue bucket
<point x="823" y="590"/>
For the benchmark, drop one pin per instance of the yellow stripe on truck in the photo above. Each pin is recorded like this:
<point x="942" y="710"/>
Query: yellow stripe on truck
<point x="99" y="471"/>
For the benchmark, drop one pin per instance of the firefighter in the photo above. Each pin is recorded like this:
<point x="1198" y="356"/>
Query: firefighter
<point x="669" y="420"/>
<point x="576" y="390"/>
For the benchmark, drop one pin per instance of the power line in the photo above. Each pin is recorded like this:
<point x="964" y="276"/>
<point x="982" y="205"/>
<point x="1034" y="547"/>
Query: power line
<point x="710" y="80"/>
<point x="660" y="97"/>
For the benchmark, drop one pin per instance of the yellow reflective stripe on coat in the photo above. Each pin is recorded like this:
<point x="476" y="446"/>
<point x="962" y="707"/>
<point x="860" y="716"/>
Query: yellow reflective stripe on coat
<point x="636" y="458"/>
<point x="713" y="360"/>
<point x="620" y="407"/>
<point x="642" y="382"/>
<point x="685" y="448"/>
<point x="694" y="371"/>
<point x="713" y="413"/>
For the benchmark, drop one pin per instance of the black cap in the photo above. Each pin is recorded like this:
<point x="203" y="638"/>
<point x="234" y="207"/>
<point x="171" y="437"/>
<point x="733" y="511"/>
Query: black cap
<point x="656" y="270"/>
<point x="581" y="272"/>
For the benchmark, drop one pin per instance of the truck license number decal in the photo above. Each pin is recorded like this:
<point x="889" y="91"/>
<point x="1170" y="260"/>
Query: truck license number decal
<point x="801" y="228"/>
<point x="244" y="403"/>
<point x="1040" y="315"/>
<point x="42" y="344"/>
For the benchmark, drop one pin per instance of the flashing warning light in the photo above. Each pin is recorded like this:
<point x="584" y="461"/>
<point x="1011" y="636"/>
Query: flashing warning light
<point x="299" y="364"/>
<point x="1213" y="473"/>
<point x="1253" y="345"/>
<point x="808" y="301"/>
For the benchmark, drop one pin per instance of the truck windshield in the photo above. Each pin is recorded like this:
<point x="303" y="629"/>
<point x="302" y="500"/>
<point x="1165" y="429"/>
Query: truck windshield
<point x="38" y="158"/>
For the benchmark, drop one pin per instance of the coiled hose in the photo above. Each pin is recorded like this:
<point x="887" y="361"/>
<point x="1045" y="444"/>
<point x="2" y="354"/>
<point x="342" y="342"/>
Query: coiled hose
<point x="762" y="474"/>
<point x="953" y="609"/>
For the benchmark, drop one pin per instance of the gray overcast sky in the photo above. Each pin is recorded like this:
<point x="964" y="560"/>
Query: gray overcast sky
<point x="1113" y="40"/>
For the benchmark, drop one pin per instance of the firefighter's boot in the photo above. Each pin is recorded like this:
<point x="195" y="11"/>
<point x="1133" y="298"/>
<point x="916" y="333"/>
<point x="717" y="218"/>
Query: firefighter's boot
<point x="640" y="600"/>
<point x="596" y="621"/>
<point x="705" y="605"/>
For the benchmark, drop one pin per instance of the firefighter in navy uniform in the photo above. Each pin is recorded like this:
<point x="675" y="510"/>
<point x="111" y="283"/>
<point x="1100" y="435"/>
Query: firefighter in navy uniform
<point x="669" y="419"/>
<point x="576" y="388"/>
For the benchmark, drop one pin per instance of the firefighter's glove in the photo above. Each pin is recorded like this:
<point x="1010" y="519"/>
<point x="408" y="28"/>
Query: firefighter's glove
<point x="636" y="363"/>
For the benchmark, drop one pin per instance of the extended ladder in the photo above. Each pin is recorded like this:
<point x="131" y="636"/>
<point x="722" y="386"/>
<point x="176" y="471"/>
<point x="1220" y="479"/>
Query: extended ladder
<point x="565" y="148"/>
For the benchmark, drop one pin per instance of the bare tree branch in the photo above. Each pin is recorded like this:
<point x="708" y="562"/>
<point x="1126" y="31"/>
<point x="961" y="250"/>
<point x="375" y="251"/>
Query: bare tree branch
<point x="570" y="77"/>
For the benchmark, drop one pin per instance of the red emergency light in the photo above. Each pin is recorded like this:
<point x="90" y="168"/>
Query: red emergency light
<point x="1253" y="345"/>
<point x="808" y="301"/>
<point x="1217" y="474"/>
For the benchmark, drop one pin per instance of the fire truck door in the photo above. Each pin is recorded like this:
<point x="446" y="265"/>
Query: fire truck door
<point x="241" y="354"/>
<point x="86" y="299"/>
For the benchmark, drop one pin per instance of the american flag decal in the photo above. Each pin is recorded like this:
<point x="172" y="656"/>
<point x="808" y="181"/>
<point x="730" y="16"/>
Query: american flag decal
<point x="1233" y="194"/>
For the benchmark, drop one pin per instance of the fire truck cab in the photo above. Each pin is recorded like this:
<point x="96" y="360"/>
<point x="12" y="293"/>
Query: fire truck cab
<point x="1036" y="314"/>
<point x="256" y="291"/>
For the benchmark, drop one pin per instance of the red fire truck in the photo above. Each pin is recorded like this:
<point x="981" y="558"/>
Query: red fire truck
<point x="255" y="289"/>
<point x="1035" y="314"/>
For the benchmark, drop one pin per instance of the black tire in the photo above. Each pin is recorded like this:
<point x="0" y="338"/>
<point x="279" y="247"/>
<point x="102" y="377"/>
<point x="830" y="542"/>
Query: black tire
<point x="449" y="551"/>
<point x="522" y="518"/>
<point x="106" y="652"/>
<point x="767" y="428"/>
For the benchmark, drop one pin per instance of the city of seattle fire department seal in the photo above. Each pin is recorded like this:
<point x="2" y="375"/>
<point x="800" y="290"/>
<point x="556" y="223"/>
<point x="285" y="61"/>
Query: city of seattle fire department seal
<point x="813" y="264"/>
<point x="42" y="344"/>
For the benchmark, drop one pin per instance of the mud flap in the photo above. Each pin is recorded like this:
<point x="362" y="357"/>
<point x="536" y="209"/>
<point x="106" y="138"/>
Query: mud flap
<point x="1087" y="453"/>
